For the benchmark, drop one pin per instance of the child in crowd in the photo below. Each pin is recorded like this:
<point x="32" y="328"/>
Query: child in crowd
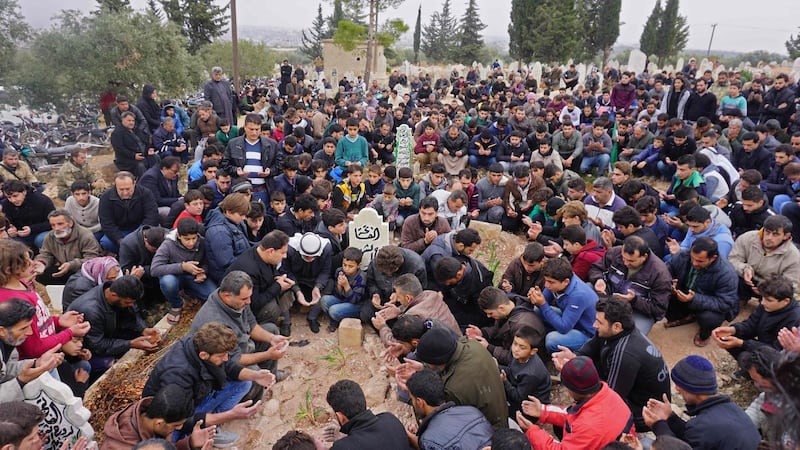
<point x="647" y="160"/>
<point x="465" y="176"/>
<point x="350" y="195"/>
<point x="322" y="193"/>
<point x="226" y="132"/>
<point x="286" y="182"/>
<point x="319" y="171"/>
<point x="389" y="174"/>
<point x="348" y="291"/>
<point x="375" y="182"/>
<point x="258" y="222"/>
<point x="74" y="371"/>
<point x="583" y="251"/>
<point x="193" y="204"/>
<point x="304" y="164"/>
<point x="84" y="207"/>
<point x="407" y="194"/>
<point x="526" y="375"/>
<point x="277" y="205"/>
<point x="352" y="148"/>
<point x="386" y="205"/>
<point x="180" y="263"/>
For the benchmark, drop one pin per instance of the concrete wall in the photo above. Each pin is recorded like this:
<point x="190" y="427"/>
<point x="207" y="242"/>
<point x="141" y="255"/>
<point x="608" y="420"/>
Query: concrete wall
<point x="350" y="64"/>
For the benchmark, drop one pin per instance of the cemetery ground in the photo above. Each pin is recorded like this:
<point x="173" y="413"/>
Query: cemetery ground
<point x="316" y="361"/>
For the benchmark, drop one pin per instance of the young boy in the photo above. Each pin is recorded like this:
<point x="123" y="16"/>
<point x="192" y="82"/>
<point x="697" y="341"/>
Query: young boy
<point x="526" y="375"/>
<point x="84" y="207"/>
<point x="286" y="182"/>
<point x="258" y="222"/>
<point x="327" y="153"/>
<point x="193" y="204"/>
<point x="389" y="174"/>
<point x="180" y="263"/>
<point x="226" y="132"/>
<point x="210" y="168"/>
<point x="348" y="291"/>
<point x="304" y="164"/>
<point x="375" y="183"/>
<point x="465" y="176"/>
<point x="74" y="370"/>
<point x="524" y="271"/>
<point x="647" y="160"/>
<point x="349" y="196"/>
<point x="322" y="194"/>
<point x="407" y="194"/>
<point x="277" y="205"/>
<point x="352" y="148"/>
<point x="387" y="206"/>
<point x="319" y="171"/>
<point x="434" y="180"/>
<point x="583" y="252"/>
<point x="426" y="152"/>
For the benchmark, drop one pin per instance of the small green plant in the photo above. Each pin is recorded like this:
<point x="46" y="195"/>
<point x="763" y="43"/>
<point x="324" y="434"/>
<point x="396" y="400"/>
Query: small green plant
<point x="308" y="411"/>
<point x="337" y="358"/>
<point x="494" y="261"/>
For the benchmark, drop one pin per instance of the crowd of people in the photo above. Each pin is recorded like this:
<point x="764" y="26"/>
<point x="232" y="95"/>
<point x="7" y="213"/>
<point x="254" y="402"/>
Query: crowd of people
<point x="691" y="210"/>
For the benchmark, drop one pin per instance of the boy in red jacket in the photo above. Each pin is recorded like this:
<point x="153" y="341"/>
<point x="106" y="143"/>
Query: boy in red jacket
<point x="583" y="252"/>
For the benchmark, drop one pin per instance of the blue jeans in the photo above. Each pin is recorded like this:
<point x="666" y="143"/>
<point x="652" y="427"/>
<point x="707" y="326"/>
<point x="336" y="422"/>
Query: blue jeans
<point x="599" y="161"/>
<point x="111" y="246"/>
<point x="643" y="323"/>
<point x="573" y="340"/>
<point x="779" y="201"/>
<point x="481" y="161"/>
<point x="666" y="170"/>
<point x="338" y="309"/>
<point x="172" y="284"/>
<point x="225" y="399"/>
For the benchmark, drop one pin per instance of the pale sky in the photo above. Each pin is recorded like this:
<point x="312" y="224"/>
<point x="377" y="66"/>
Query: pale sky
<point x="743" y="25"/>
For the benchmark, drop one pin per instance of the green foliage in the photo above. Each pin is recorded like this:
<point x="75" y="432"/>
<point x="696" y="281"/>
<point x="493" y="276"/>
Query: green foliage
<point x="470" y="45"/>
<point x="665" y="33"/>
<point x="440" y="36"/>
<point x="201" y="21"/>
<point x="337" y="358"/>
<point x="13" y="32"/>
<point x="113" y="6"/>
<point x="600" y="21"/>
<point x="649" y="40"/>
<point x="256" y="59"/>
<point x="334" y="19"/>
<point x="417" y="35"/>
<point x="793" y="46"/>
<point x="349" y="35"/>
<point x="543" y="30"/>
<point x="308" y="411"/>
<point x="390" y="32"/>
<point x="79" y="55"/>
<point x="311" y="44"/>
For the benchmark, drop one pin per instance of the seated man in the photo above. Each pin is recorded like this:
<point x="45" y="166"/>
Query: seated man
<point x="74" y="169"/>
<point x="16" y="317"/>
<point x="490" y="195"/>
<point x="26" y="211"/>
<point x="419" y="230"/>
<point x="759" y="255"/>
<point x="443" y="423"/>
<point x="162" y="181"/>
<point x="717" y="421"/>
<point x="136" y="255"/>
<point x="385" y="268"/>
<point x="572" y="315"/>
<point x="703" y="289"/>
<point x="200" y="366"/>
<point x="301" y="218"/>
<point x="628" y="222"/>
<point x="156" y="416"/>
<point x="625" y="359"/>
<point x="124" y="209"/>
<point x="700" y="225"/>
<point x="508" y="319"/>
<point x="460" y="245"/>
<point x="601" y="205"/>
<point x="483" y="150"/>
<point x="524" y="271"/>
<point x="11" y="168"/>
<point x="362" y="428"/>
<point x="461" y="284"/>
<point x="751" y="212"/>
<point x="116" y="325"/>
<point x="84" y="207"/>
<point x="65" y="248"/>
<point x="633" y="273"/>
<point x="587" y="423"/>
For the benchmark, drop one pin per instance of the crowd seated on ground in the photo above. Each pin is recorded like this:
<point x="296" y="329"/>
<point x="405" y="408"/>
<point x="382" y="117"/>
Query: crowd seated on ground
<point x="654" y="200"/>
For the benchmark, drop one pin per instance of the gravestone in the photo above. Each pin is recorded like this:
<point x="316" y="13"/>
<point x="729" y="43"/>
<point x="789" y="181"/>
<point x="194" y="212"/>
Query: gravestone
<point x="403" y="145"/>
<point x="581" y="68"/>
<point x="796" y="65"/>
<point x="368" y="233"/>
<point x="636" y="61"/>
<point x="55" y="292"/>
<point x="536" y="70"/>
<point x="705" y="64"/>
<point x="489" y="232"/>
<point x="350" y="333"/>
<point x="65" y="418"/>
<point x="680" y="64"/>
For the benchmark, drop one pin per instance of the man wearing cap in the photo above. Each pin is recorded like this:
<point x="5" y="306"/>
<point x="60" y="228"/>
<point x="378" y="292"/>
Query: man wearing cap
<point x="219" y="93"/>
<point x="596" y="419"/>
<point x="626" y="360"/>
<point x="717" y="421"/>
<point x="469" y="373"/>
<point x="483" y="150"/>
<point x="308" y="264"/>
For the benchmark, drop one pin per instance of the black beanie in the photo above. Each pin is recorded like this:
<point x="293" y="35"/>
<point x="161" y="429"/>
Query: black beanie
<point x="436" y="346"/>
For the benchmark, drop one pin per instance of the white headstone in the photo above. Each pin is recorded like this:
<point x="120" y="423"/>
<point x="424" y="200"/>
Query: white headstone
<point x="581" y="68"/>
<point x="513" y="67"/>
<point x="636" y="61"/>
<point x="536" y="70"/>
<point x="680" y="64"/>
<point x="403" y="145"/>
<point x="55" y="292"/>
<point x="65" y="418"/>
<point x="796" y="65"/>
<point x="614" y="63"/>
<point x="368" y="232"/>
<point x="705" y="64"/>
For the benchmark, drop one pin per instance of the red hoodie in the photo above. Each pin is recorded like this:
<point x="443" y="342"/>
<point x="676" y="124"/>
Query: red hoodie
<point x="44" y="325"/>
<point x="586" y="256"/>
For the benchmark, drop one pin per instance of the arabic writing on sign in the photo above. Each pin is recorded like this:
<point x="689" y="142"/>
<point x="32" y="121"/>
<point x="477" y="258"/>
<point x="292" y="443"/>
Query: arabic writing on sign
<point x="367" y="232"/>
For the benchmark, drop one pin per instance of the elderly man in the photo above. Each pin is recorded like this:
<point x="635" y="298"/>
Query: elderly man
<point x="124" y="209"/>
<point x="66" y="247"/>
<point x="77" y="168"/>
<point x="601" y="205"/>
<point x="130" y="149"/>
<point x="162" y="181"/>
<point x="219" y="93"/>
<point x="641" y="138"/>
<point x="13" y="169"/>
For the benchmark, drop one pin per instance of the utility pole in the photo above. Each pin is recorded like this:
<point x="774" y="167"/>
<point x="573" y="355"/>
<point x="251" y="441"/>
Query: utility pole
<point x="713" y="29"/>
<point x="235" y="48"/>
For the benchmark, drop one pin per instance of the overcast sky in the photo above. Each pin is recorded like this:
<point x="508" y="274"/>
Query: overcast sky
<point x="743" y="25"/>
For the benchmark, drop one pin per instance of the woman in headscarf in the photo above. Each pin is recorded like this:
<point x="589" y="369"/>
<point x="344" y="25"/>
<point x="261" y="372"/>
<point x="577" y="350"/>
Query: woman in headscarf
<point x="93" y="272"/>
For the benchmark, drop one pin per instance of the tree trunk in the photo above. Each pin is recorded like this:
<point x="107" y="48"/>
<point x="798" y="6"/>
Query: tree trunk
<point x="370" y="42"/>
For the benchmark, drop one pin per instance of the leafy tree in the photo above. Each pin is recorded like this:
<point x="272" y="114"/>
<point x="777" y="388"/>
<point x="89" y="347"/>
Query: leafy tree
<point x="201" y="21"/>
<point x="440" y="36"/>
<point x="172" y="9"/>
<point x="13" y="32"/>
<point x="648" y="42"/>
<point x="311" y="43"/>
<point x="673" y="32"/>
<point x="349" y="35"/>
<point x="389" y="33"/>
<point x="600" y="20"/>
<point x="793" y="46"/>
<point x="153" y="9"/>
<point x="78" y="55"/>
<point x="543" y="30"/>
<point x="470" y="45"/>
<point x="520" y="45"/>
<point x="255" y="58"/>
<point x="417" y="34"/>
<point x="113" y="6"/>
<point x="334" y="19"/>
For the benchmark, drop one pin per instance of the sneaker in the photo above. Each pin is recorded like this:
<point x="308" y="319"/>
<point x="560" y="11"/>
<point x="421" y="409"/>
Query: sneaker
<point x="332" y="328"/>
<point x="225" y="439"/>
<point x="314" y="325"/>
<point x="286" y="329"/>
<point x="699" y="341"/>
<point x="281" y="375"/>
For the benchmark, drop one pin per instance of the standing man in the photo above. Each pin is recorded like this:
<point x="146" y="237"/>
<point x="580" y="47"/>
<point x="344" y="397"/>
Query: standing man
<point x="219" y="93"/>
<point x="253" y="156"/>
<point x="286" y="77"/>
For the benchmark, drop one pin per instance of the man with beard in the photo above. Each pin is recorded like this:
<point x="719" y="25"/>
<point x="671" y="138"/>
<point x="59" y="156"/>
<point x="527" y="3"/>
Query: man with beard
<point x="419" y="230"/>
<point x="66" y="247"/>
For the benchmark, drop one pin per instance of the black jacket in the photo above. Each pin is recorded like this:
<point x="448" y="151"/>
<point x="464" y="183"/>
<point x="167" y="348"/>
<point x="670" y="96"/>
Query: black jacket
<point x="742" y="222"/>
<point x="500" y="335"/>
<point x="127" y="144"/>
<point x="31" y="213"/>
<point x="369" y="431"/>
<point x="715" y="287"/>
<point x="762" y="327"/>
<point x="462" y="298"/>
<point x="759" y="159"/>
<point x="235" y="156"/>
<point x="149" y="108"/>
<point x="265" y="288"/>
<point x="132" y="252"/>
<point x="118" y="215"/>
<point x="718" y="423"/>
<point x="381" y="284"/>
<point x="632" y="366"/>
<point x="164" y="191"/>
<point x="112" y="327"/>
